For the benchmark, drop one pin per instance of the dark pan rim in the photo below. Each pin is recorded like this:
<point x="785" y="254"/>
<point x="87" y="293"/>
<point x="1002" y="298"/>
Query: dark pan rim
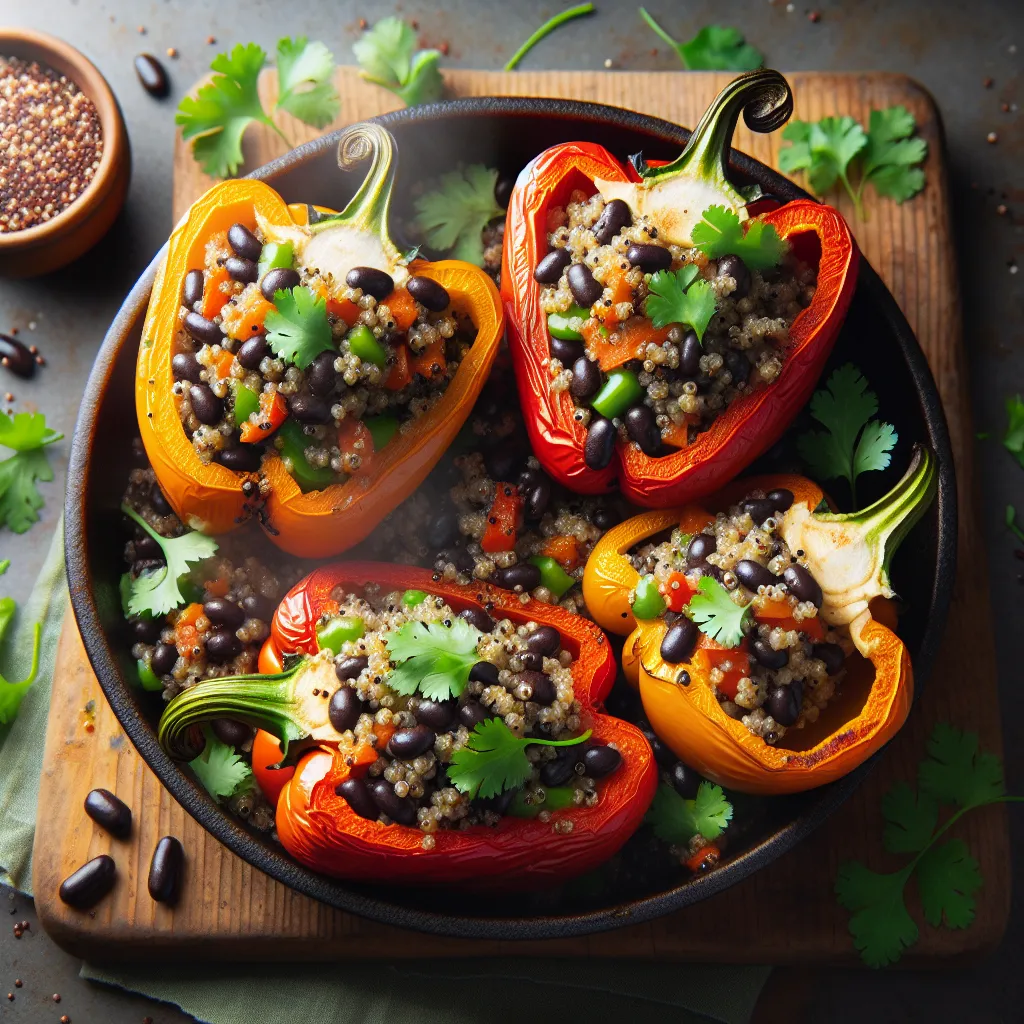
<point x="334" y="892"/>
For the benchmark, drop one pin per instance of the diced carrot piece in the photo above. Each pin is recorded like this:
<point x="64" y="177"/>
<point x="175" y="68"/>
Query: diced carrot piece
<point x="677" y="591"/>
<point x="247" y="320"/>
<point x="677" y="434"/>
<point x="739" y="666"/>
<point x="430" y="363"/>
<point x="400" y="374"/>
<point x="403" y="308"/>
<point x="214" y="296"/>
<point x="354" y="438"/>
<point x="503" y="520"/>
<point x="780" y="614"/>
<point x="636" y="331"/>
<point x="565" y="550"/>
<point x="185" y="633"/>
<point x="218" y="587"/>
<point x="621" y="291"/>
<point x="273" y="412"/>
<point x="222" y="364"/>
<point x="383" y="732"/>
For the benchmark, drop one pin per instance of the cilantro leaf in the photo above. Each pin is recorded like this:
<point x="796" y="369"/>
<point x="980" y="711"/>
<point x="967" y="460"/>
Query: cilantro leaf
<point x="676" y="298"/>
<point x="12" y="694"/>
<point x="956" y="773"/>
<point x="453" y="216"/>
<point x="910" y="819"/>
<point x="304" y="74"/>
<point x="717" y="614"/>
<point x="25" y="431"/>
<point x="719" y="233"/>
<point x="220" y="769"/>
<point x="947" y="879"/>
<point x="298" y="330"/>
<point x="436" y="659"/>
<point x="494" y="759"/>
<point x="713" y="48"/>
<point x="850" y="444"/>
<point x="879" y="922"/>
<point x="387" y="55"/>
<point x="158" y="592"/>
<point x="1013" y="439"/>
<point x="824" y="149"/>
<point x="20" y="500"/>
<point x="888" y="161"/>
<point x="677" y="820"/>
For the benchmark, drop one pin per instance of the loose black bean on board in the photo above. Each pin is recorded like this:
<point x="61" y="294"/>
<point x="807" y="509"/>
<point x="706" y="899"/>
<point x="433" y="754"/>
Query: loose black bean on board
<point x="152" y="75"/>
<point x="85" y="887"/>
<point x="522" y="574"/>
<point x="344" y="708"/>
<point x="679" y="641"/>
<point x="649" y="258"/>
<point x="202" y="330"/>
<point x="476" y="616"/>
<point x="231" y="732"/>
<point x="244" y="242"/>
<point x="600" y="444"/>
<point x="614" y="217"/>
<point x="585" y="288"/>
<point x="277" y="280"/>
<point x="193" y="289"/>
<point x="550" y="268"/>
<point x="371" y="281"/>
<point x="241" y="269"/>
<point x="109" y="812"/>
<point x="15" y="357"/>
<point x="208" y="408"/>
<point x="586" y="379"/>
<point x="427" y="292"/>
<point x="802" y="584"/>
<point x="544" y="640"/>
<point x="359" y="798"/>
<point x="166" y="870"/>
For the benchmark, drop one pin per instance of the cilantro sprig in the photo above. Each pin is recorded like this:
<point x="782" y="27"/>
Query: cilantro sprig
<point x="388" y="56"/>
<point x="27" y="435"/>
<point x="157" y="592"/>
<point x="886" y="156"/>
<point x="11" y="693"/>
<point x="852" y="442"/>
<point x="546" y="29"/>
<point x="677" y="297"/>
<point x="954" y="773"/>
<point x="719" y="233"/>
<point x="432" y="659"/>
<point x="298" y="329"/>
<point x="217" y="116"/>
<point x="494" y="759"/>
<point x="713" y="48"/>
<point x="452" y="216"/>
<point x="220" y="769"/>
<point x="717" y="614"/>
<point x="677" y="820"/>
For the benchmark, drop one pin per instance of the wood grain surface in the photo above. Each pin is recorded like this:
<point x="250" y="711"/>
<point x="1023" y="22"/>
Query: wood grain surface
<point x="787" y="912"/>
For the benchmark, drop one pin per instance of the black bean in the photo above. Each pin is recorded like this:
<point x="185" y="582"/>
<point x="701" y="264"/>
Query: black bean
<point x="152" y="75"/>
<point x="399" y="809"/>
<point x="532" y="660"/>
<point x="802" y="584"/>
<point x="605" y="518"/>
<point x="245" y="458"/>
<point x="201" y="329"/>
<point x="321" y="378"/>
<point x="484" y="672"/>
<point x="781" y="499"/>
<point x="222" y="646"/>
<point x="753" y="575"/>
<point x="109" y="812"/>
<point x="557" y="772"/>
<point x="601" y="761"/>
<point x="663" y="754"/>
<point x="165" y="871"/>
<point x="460" y="558"/>
<point x="643" y="429"/>
<point x="550" y="268"/>
<point x="164" y="658"/>
<point x="351" y="667"/>
<point x="600" y="443"/>
<point x="192" y="292"/>
<point x="244" y="242"/>
<point x="371" y="281"/>
<point x="586" y="379"/>
<point x="614" y="217"/>
<point x="537" y="499"/>
<point x="405" y="744"/>
<point x="734" y="267"/>
<point x="208" y="408"/>
<point x="185" y="366"/>
<point x="472" y="713"/>
<point x="585" y="288"/>
<point x="241" y="269"/>
<point x="759" y="509"/>
<point x="545" y="640"/>
<point x="738" y="365"/>
<point x="147" y="547"/>
<point x="427" y="292"/>
<point x="476" y="616"/>
<point x="690" y="351"/>
<point x="16" y="357"/>
<point x="145" y="630"/>
<point x="257" y="606"/>
<point x="280" y="279"/>
<point x="649" y="258"/>
<point x="566" y="350"/>
<point x="438" y="715"/>
<point x="679" y="640"/>
<point x="784" y="703"/>
<point x="356" y="793"/>
<point x="766" y="655"/>
<point x="231" y="731"/>
<point x="700" y="547"/>
<point x="503" y="191"/>
<point x="442" y="529"/>
<point x="685" y="780"/>
<point x="831" y="654"/>
<point x="85" y="887"/>
<point x="252" y="352"/>
<point x="224" y="612"/>
<point x="523" y="574"/>
<point x="344" y="708"/>
<point x="544" y="691"/>
<point x="309" y="409"/>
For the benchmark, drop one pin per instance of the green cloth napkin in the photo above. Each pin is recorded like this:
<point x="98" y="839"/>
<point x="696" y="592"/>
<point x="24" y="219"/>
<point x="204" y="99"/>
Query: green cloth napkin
<point x="477" y="991"/>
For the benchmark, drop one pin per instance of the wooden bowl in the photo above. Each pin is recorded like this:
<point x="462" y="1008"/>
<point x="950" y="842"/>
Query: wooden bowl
<point x="45" y="247"/>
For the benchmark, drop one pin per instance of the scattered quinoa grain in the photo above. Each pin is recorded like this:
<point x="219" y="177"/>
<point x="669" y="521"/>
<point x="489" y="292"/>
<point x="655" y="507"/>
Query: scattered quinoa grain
<point x="172" y="51"/>
<point x="992" y="138"/>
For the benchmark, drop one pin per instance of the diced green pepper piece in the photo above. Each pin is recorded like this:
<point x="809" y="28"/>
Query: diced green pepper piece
<point x="382" y="429"/>
<point x="275" y="255"/>
<point x="293" y="447"/>
<point x="552" y="575"/>
<point x="148" y="679"/>
<point x="340" y="630"/>
<point x="411" y="598"/>
<point x="620" y="391"/>
<point x="246" y="403"/>
<point x="648" y="603"/>
<point x="558" y="323"/>
<point x="558" y="798"/>
<point x="362" y="343"/>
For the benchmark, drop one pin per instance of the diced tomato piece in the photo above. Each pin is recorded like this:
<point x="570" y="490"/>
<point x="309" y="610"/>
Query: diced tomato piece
<point x="186" y="636"/>
<point x="503" y="520"/>
<point x="214" y="296"/>
<point x="677" y="591"/>
<point x="704" y="859"/>
<point x="717" y="656"/>
<point x="218" y="587"/>
<point x="430" y="363"/>
<point x="400" y="374"/>
<point x="780" y="614"/>
<point x="565" y="550"/>
<point x="273" y="412"/>
<point x="344" y="309"/>
<point x="403" y="308"/>
<point x="354" y="438"/>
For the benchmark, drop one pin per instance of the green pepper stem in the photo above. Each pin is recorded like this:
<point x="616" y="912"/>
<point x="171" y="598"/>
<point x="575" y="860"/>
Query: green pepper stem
<point x="264" y="701"/>
<point x="766" y="101"/>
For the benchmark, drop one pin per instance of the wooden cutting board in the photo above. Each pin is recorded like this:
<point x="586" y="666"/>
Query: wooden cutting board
<point x="787" y="912"/>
